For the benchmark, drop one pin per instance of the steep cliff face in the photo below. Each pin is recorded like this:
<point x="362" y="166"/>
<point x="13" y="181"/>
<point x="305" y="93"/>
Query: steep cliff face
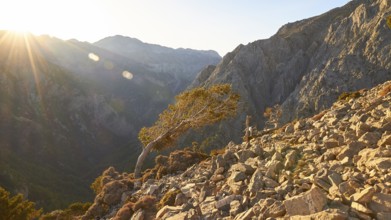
<point x="307" y="64"/>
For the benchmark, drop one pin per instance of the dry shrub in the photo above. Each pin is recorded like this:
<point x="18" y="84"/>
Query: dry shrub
<point x="168" y="199"/>
<point x="145" y="203"/>
<point x="385" y="90"/>
<point x="318" y="116"/>
<point x="125" y="212"/>
<point x="216" y="152"/>
<point x="178" y="160"/>
<point x="148" y="174"/>
<point x="346" y="96"/>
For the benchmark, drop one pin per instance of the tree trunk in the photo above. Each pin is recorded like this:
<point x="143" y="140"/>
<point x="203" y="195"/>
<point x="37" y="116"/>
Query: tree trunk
<point x="148" y="148"/>
<point x="141" y="159"/>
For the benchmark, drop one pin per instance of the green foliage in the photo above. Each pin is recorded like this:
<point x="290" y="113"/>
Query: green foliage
<point x="16" y="208"/>
<point x="193" y="109"/>
<point x="96" y="186"/>
<point x="73" y="210"/>
<point x="346" y="96"/>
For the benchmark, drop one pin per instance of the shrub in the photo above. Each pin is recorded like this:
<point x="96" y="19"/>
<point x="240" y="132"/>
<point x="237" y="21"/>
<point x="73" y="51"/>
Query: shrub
<point x="216" y="152"/>
<point x="385" y="90"/>
<point x="73" y="210"/>
<point x="168" y="198"/>
<point x="346" y="96"/>
<point x="16" y="208"/>
<point x="97" y="186"/>
<point x="145" y="202"/>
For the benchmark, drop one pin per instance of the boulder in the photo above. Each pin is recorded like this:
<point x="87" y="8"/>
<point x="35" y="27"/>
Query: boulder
<point x="364" y="196"/>
<point x="179" y="216"/>
<point x="235" y="208"/>
<point x="329" y="214"/>
<point x="358" y="207"/>
<point x="277" y="209"/>
<point x="238" y="176"/>
<point x="370" y="138"/>
<point x="273" y="169"/>
<point x="256" y="182"/>
<point x="225" y="201"/>
<point x="384" y="141"/>
<point x="290" y="159"/>
<point x="139" y="215"/>
<point x="244" y="168"/>
<point x="380" y="203"/>
<point x="350" y="150"/>
<point x="167" y="209"/>
<point x="310" y="202"/>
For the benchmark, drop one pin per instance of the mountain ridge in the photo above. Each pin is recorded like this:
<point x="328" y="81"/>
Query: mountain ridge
<point x="307" y="64"/>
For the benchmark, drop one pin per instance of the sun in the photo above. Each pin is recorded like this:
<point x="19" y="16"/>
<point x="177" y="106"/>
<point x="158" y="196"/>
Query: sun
<point x="62" y="19"/>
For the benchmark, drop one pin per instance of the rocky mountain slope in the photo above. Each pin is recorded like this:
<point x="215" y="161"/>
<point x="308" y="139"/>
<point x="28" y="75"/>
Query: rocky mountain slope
<point x="181" y="64"/>
<point x="333" y="165"/>
<point x="307" y="64"/>
<point x="68" y="110"/>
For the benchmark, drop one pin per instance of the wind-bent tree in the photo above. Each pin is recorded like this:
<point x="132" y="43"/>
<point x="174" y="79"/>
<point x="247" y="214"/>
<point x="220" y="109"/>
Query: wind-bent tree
<point x="192" y="109"/>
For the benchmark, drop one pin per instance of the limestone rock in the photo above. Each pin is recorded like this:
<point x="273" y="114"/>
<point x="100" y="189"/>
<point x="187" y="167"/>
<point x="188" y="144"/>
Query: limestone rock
<point x="357" y="206"/>
<point x="235" y="208"/>
<point x="330" y="214"/>
<point x="139" y="215"/>
<point x="244" y="168"/>
<point x="380" y="203"/>
<point x="364" y="196"/>
<point x="384" y="141"/>
<point x="310" y="202"/>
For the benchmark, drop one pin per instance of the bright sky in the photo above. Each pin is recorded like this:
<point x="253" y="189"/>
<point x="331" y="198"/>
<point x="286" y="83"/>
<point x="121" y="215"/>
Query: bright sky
<point x="219" y="25"/>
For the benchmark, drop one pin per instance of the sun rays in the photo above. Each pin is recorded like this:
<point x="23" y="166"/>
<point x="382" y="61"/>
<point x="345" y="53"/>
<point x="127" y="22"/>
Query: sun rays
<point x="20" y="58"/>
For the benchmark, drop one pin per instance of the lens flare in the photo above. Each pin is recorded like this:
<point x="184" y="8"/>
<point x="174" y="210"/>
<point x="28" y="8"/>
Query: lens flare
<point x="93" y="57"/>
<point x="128" y="75"/>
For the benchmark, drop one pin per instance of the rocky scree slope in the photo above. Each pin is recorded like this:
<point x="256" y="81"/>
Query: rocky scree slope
<point x="307" y="64"/>
<point x="334" y="165"/>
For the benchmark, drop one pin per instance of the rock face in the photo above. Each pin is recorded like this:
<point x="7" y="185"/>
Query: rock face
<point x="307" y="64"/>
<point x="317" y="171"/>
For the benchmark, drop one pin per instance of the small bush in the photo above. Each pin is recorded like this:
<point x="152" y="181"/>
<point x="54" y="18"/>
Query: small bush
<point x="216" y="152"/>
<point x="97" y="185"/>
<point x="168" y="198"/>
<point x="385" y="90"/>
<point x="346" y="96"/>
<point x="319" y="116"/>
<point x="145" y="202"/>
<point x="73" y="210"/>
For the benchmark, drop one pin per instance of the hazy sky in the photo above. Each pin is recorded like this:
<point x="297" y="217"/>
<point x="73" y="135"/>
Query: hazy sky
<point x="219" y="25"/>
